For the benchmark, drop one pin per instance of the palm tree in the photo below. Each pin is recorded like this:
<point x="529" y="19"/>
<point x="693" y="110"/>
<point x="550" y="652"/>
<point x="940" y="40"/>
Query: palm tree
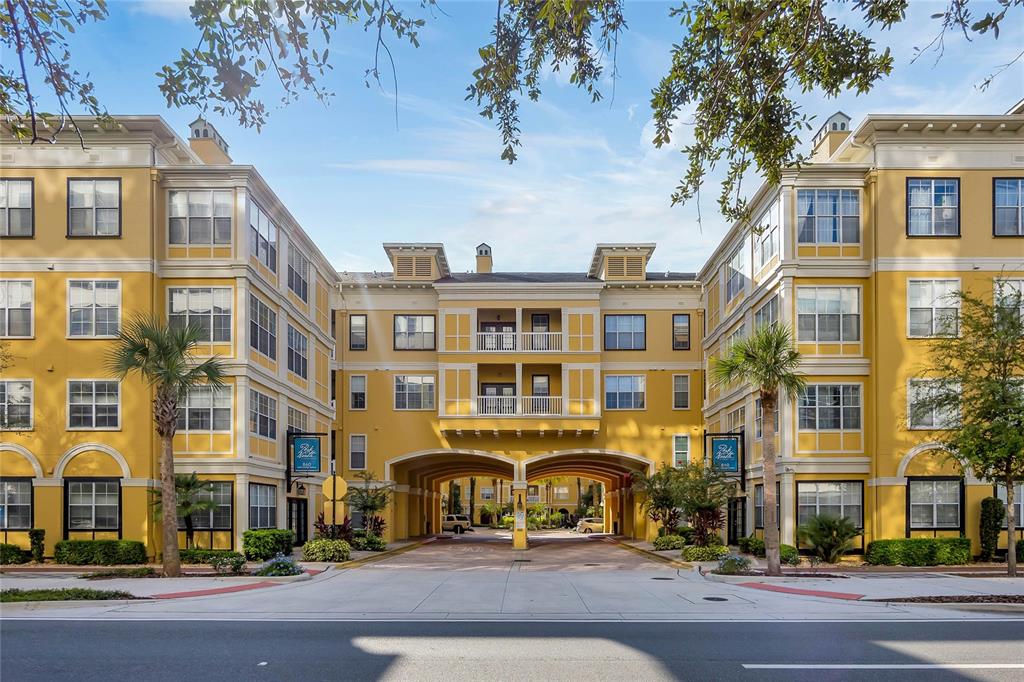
<point x="163" y="357"/>
<point x="472" y="500"/>
<point x="191" y="501"/>
<point x="768" y="361"/>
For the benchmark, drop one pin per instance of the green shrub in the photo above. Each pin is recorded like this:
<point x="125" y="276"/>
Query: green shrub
<point x="62" y="594"/>
<point x="686" y="533"/>
<point x="99" y="552"/>
<point x="37" y="541"/>
<point x="993" y="511"/>
<point x="752" y="545"/>
<point x="733" y="564"/>
<point x="265" y="543"/>
<point x="789" y="555"/>
<point x="668" y="542"/>
<point x="278" y="566"/>
<point x="919" y="552"/>
<point x="829" y="536"/>
<point x="1020" y="550"/>
<point x="140" y="572"/>
<point x="712" y="553"/>
<point x="326" y="550"/>
<point x="199" y="555"/>
<point x="12" y="554"/>
<point x="227" y="562"/>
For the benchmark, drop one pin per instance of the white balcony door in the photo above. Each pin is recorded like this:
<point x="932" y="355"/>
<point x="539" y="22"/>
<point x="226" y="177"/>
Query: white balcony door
<point x="498" y="399"/>
<point x="497" y="336"/>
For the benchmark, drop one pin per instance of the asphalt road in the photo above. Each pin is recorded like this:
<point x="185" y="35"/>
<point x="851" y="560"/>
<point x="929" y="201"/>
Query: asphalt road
<point x="309" y="651"/>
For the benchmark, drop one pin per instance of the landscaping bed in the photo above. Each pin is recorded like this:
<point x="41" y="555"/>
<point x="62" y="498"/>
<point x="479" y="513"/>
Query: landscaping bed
<point x="786" y="574"/>
<point x="12" y="595"/>
<point x="958" y="599"/>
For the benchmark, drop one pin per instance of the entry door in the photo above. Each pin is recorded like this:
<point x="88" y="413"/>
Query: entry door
<point x="298" y="519"/>
<point x="499" y="335"/>
<point x="499" y="398"/>
<point x="737" y="519"/>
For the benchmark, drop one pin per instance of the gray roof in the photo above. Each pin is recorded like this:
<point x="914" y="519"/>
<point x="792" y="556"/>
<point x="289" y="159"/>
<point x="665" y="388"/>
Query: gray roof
<point x="514" y="277"/>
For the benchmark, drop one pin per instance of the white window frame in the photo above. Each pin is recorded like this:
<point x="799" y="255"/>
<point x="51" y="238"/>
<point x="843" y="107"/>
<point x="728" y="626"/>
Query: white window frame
<point x="270" y="329"/>
<point x="257" y="491"/>
<point x="92" y="308"/>
<point x="352" y="392"/>
<point x="842" y="407"/>
<point x="844" y="299"/>
<point x="1018" y="502"/>
<point x="6" y="208"/>
<point x="838" y="218"/>
<point x="857" y="486"/>
<point x="768" y="312"/>
<point x="934" y="525"/>
<point x="268" y="238"/>
<point x="766" y="247"/>
<point x="5" y="308"/>
<point x="632" y="333"/>
<point x="93" y="207"/>
<point x="418" y="333"/>
<point x="93" y="427"/>
<point x="188" y="317"/>
<point x="759" y="423"/>
<point x="298" y="273"/>
<point x="187" y="218"/>
<point x="1015" y="285"/>
<point x="487" y="493"/>
<point x="226" y="392"/>
<point x="298" y="352"/>
<point x="677" y="438"/>
<point x="1019" y="206"/>
<point x="675" y="391"/>
<point x="92" y="526"/>
<point x="736" y="273"/>
<point x="270" y="414"/>
<point x="931" y="207"/>
<point x="5" y="503"/>
<point x="912" y="423"/>
<point x="364" y="451"/>
<point x="206" y="520"/>
<point x="298" y="421"/>
<point x="954" y="302"/>
<point x="5" y="405"/>
<point x="642" y="391"/>
<point x="421" y="380"/>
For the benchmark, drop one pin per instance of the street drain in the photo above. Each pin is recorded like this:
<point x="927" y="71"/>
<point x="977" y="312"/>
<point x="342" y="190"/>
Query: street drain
<point x="591" y="564"/>
<point x="662" y="578"/>
<point x="715" y="599"/>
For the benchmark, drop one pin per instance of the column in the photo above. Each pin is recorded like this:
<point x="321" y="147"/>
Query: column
<point x="520" y="389"/>
<point x="787" y="531"/>
<point x="519" y="508"/>
<point x="241" y="508"/>
<point x="400" y="517"/>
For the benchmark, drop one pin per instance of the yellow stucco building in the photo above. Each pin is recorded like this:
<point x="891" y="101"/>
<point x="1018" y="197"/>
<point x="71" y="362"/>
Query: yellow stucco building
<point x="428" y="374"/>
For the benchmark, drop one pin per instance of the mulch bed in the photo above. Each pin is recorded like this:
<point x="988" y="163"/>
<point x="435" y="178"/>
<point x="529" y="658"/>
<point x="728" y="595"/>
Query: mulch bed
<point x="959" y="599"/>
<point x="785" y="574"/>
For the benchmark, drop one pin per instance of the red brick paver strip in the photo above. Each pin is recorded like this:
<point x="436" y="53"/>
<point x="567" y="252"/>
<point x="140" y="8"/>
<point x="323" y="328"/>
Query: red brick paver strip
<point x="215" y="590"/>
<point x="807" y="593"/>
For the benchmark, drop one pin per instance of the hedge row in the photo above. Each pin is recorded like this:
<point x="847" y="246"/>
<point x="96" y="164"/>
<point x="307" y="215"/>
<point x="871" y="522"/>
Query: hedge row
<point x="99" y="552"/>
<point x="201" y="555"/>
<point x="267" y="543"/>
<point x="919" y="552"/>
<point x="12" y="554"/>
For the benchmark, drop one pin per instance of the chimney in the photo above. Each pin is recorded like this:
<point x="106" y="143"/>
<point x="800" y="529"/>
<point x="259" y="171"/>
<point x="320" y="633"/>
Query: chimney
<point x="832" y="134"/>
<point x="483" y="259"/>
<point x="207" y="143"/>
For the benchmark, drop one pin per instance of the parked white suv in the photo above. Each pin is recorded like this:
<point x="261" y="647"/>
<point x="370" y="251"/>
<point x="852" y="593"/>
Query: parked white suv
<point x="456" y="523"/>
<point x="590" y="524"/>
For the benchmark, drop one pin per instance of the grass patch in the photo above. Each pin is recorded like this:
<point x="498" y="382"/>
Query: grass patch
<point x="141" y="572"/>
<point x="63" y="594"/>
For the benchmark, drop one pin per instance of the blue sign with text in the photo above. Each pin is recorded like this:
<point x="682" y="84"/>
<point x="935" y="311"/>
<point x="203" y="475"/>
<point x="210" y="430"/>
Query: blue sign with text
<point x="725" y="454"/>
<point x="306" y="455"/>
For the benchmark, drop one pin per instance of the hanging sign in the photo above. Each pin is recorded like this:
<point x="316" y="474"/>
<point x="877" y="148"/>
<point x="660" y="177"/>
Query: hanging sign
<point x="305" y="455"/>
<point x="725" y="453"/>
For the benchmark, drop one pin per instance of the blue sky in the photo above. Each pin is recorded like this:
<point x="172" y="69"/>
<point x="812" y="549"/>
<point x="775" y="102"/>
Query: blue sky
<point x="587" y="172"/>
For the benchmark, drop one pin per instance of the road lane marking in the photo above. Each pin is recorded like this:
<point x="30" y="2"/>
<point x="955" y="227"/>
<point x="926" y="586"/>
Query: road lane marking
<point x="884" y="666"/>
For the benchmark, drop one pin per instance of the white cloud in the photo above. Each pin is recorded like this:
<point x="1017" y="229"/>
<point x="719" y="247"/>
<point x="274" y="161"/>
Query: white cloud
<point x="167" y="9"/>
<point x="408" y="166"/>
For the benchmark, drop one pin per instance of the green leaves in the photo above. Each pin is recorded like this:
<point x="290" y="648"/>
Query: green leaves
<point x="767" y="359"/>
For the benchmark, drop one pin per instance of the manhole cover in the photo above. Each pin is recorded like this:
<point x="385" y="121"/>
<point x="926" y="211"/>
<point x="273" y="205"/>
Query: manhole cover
<point x="591" y="564"/>
<point x="662" y="578"/>
<point x="715" y="599"/>
<point x="521" y="561"/>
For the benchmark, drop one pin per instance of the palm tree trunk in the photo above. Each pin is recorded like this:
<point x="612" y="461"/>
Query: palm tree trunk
<point x="771" y="521"/>
<point x="1011" y="531"/>
<point x="190" y="532"/>
<point x="169" y="502"/>
<point x="472" y="500"/>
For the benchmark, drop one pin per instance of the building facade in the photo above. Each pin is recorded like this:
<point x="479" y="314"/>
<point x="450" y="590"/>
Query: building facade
<point x="132" y="221"/>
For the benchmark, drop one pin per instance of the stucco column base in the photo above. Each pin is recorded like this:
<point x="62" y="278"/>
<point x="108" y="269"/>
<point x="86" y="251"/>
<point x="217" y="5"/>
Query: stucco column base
<point x="519" y="539"/>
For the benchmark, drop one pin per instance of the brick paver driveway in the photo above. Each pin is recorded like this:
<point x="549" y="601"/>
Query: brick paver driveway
<point x="486" y="549"/>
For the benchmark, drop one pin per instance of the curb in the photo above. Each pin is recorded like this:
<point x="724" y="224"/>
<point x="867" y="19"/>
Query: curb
<point x="653" y="556"/>
<point x="380" y="556"/>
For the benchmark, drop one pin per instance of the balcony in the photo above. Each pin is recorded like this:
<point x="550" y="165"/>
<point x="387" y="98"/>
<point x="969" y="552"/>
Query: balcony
<point x="518" y="406"/>
<point x="519" y="342"/>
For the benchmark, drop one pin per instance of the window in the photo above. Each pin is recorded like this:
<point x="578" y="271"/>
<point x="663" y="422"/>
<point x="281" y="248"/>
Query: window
<point x="207" y="308"/>
<point x="736" y="420"/>
<point x="486" y="493"/>
<point x="262" y="237"/>
<point x="298" y="274"/>
<point x="680" y="450"/>
<point x="200" y="217"/>
<point x="298" y="421"/>
<point x="414" y="392"/>
<point x="262" y="327"/>
<point x="840" y="499"/>
<point x="933" y="307"/>
<point x="934" y="503"/>
<point x="759" y="420"/>
<point x="759" y="505"/>
<point x="1018" y="502"/>
<point x="1010" y="295"/>
<point x="205" y="408"/>
<point x="16" y="217"/>
<point x="929" y="416"/>
<point x="828" y="216"/>
<point x="94" y="405"/>
<point x="766" y="247"/>
<point x="767" y="313"/>
<point x="262" y="415"/>
<point x="625" y="332"/>
<point x="298" y="352"/>
<point x="94" y="307"/>
<point x="94" y="208"/>
<point x="93" y="505"/>
<point x="15" y="307"/>
<point x="561" y="492"/>
<point x="828" y="314"/>
<point x="1008" y="212"/>
<point x="680" y="391"/>
<point x="220" y="516"/>
<point x="15" y="405"/>
<point x="16" y="504"/>
<point x="933" y="207"/>
<point x="624" y="392"/>
<point x="736" y="274"/>
<point x="681" y="332"/>
<point x="357" y="392"/>
<point x="414" y="332"/>
<point x="356" y="451"/>
<point x="540" y="385"/>
<point x="262" y="505"/>
<point x="830" y="407"/>
<point x="357" y="332"/>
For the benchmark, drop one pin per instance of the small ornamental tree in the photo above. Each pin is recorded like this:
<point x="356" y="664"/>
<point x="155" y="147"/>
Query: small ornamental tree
<point x="370" y="497"/>
<point x="661" y="496"/>
<point x="981" y="379"/>
<point x="704" y="491"/>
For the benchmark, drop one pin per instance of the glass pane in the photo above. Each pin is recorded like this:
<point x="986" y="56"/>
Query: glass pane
<point x="107" y="193"/>
<point x="80" y="194"/>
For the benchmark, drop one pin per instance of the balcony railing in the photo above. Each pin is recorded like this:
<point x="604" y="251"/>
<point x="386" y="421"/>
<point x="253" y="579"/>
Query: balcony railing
<point x="510" y="405"/>
<point x="527" y="342"/>
<point x="541" y="405"/>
